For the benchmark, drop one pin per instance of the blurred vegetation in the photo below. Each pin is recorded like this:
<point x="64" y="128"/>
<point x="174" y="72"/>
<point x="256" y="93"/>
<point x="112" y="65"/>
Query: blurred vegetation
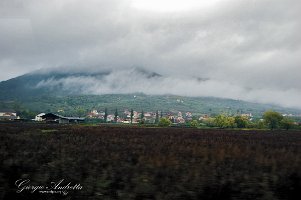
<point x="287" y="123"/>
<point x="272" y="120"/>
<point x="151" y="163"/>
<point x="224" y="121"/>
<point x="194" y="123"/>
<point x="164" y="122"/>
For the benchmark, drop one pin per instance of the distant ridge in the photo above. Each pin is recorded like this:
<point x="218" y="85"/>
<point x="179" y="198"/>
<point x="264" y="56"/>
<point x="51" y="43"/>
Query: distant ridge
<point x="47" y="92"/>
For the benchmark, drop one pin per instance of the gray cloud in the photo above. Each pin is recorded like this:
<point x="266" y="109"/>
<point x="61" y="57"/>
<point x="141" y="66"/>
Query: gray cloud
<point x="248" y="50"/>
<point x="123" y="81"/>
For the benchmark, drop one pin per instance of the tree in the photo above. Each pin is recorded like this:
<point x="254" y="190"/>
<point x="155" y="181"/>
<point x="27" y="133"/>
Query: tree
<point x="231" y="122"/>
<point x="105" y="117"/>
<point x="132" y="115"/>
<point x="157" y="117"/>
<point x="241" y="121"/>
<point x="260" y="124"/>
<point x="142" y="117"/>
<point x="224" y="121"/>
<point x="26" y="114"/>
<point x="116" y="115"/>
<point x="287" y="123"/>
<point x="164" y="122"/>
<point x="272" y="119"/>
<point x="80" y="112"/>
<point x="209" y="122"/>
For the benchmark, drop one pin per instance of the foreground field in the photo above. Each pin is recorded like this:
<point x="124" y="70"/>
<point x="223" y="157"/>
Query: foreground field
<point x="149" y="163"/>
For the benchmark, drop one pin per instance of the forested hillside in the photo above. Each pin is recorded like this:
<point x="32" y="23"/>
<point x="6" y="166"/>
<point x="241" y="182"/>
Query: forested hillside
<point x="34" y="93"/>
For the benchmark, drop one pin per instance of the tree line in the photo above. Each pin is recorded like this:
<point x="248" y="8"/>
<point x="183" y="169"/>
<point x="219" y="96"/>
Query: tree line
<point x="270" y="119"/>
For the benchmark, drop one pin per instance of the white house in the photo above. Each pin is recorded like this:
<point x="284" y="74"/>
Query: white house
<point x="39" y="118"/>
<point x="110" y="118"/>
<point x="8" y="115"/>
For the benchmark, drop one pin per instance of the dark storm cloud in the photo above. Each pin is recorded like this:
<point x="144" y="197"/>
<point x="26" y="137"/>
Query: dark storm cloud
<point x="246" y="50"/>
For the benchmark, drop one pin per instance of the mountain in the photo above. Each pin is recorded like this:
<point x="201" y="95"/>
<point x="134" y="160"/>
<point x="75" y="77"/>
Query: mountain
<point x="63" y="83"/>
<point x="30" y="85"/>
<point x="74" y="93"/>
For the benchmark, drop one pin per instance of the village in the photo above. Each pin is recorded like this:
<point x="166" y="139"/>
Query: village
<point x="121" y="117"/>
<point x="125" y="117"/>
<point x="133" y="117"/>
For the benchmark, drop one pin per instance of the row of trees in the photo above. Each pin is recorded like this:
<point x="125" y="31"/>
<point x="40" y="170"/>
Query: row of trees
<point x="271" y="120"/>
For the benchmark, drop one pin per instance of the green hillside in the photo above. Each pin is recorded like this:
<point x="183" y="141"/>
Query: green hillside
<point x="23" y="95"/>
<point x="79" y="105"/>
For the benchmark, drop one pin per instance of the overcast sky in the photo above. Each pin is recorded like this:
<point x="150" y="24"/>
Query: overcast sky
<point x="242" y="49"/>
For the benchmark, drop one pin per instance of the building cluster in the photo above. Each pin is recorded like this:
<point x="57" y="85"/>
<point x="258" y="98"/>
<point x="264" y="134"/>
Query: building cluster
<point x="125" y="117"/>
<point x="179" y="118"/>
<point x="134" y="117"/>
<point x="8" y="115"/>
<point x="290" y="115"/>
<point x="55" y="118"/>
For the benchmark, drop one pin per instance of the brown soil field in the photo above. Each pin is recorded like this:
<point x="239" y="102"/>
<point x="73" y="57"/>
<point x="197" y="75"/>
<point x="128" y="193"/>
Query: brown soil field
<point x="107" y="162"/>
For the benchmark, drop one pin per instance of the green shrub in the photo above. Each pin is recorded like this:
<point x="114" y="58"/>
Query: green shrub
<point x="164" y="122"/>
<point x="286" y="123"/>
<point x="241" y="121"/>
<point x="224" y="121"/>
<point x="194" y="123"/>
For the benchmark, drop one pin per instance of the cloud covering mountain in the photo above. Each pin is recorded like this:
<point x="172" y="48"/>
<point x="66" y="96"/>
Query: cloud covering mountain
<point x="247" y="50"/>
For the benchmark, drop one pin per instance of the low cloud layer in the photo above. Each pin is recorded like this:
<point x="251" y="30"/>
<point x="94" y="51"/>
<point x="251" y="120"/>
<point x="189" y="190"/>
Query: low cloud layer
<point x="124" y="81"/>
<point x="246" y="50"/>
